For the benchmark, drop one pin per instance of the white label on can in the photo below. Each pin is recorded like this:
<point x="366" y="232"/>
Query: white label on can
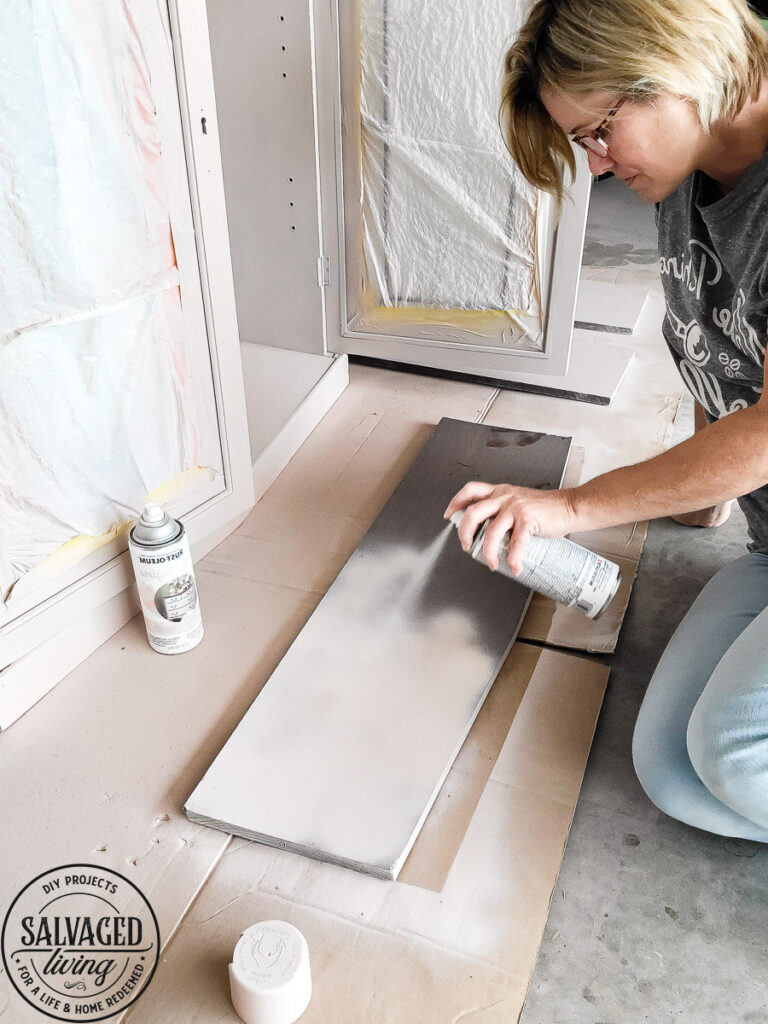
<point x="168" y="593"/>
<point x="563" y="570"/>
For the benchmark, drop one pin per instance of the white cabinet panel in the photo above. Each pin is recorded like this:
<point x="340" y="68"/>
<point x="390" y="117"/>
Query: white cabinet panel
<point x="175" y="129"/>
<point x="263" y="72"/>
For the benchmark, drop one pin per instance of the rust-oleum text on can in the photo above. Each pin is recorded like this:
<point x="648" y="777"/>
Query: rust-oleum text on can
<point x="558" y="568"/>
<point x="165" y="578"/>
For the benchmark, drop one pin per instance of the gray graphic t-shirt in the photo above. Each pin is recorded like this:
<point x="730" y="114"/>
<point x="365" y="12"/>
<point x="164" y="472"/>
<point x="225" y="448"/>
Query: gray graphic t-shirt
<point x="714" y="269"/>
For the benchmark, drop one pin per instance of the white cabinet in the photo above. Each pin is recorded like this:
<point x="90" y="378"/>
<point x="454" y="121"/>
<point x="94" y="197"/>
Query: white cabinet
<point x="64" y="599"/>
<point x="293" y="268"/>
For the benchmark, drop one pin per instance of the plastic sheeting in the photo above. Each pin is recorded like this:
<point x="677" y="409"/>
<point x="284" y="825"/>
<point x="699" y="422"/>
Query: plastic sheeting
<point x="97" y="405"/>
<point x="448" y="219"/>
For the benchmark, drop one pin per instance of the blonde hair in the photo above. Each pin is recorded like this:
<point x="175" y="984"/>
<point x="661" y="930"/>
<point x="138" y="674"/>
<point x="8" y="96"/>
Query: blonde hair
<point x="712" y="52"/>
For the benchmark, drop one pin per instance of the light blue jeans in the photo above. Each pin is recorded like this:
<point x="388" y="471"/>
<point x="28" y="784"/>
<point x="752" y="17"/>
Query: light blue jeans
<point x="701" y="741"/>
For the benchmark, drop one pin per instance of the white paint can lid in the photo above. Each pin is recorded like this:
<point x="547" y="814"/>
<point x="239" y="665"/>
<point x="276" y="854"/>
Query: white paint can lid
<point x="269" y="976"/>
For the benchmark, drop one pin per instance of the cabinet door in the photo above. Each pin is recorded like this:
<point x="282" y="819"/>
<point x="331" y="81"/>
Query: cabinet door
<point x="437" y="252"/>
<point x="121" y="374"/>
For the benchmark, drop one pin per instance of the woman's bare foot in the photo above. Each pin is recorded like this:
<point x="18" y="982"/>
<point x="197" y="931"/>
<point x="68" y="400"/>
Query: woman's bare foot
<point x="715" y="515"/>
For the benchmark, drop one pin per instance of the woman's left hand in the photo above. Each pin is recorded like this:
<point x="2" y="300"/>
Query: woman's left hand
<point x="523" y="510"/>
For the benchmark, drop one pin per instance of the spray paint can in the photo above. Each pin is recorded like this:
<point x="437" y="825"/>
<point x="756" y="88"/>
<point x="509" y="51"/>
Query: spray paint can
<point x="165" y="578"/>
<point x="558" y="568"/>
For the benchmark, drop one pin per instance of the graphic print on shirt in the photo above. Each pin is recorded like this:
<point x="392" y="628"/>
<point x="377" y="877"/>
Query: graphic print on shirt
<point x="704" y="386"/>
<point x="734" y="325"/>
<point x="699" y="269"/>
<point x="713" y="267"/>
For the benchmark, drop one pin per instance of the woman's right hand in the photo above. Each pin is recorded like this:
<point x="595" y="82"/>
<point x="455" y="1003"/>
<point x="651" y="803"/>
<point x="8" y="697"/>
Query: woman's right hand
<point x="525" y="511"/>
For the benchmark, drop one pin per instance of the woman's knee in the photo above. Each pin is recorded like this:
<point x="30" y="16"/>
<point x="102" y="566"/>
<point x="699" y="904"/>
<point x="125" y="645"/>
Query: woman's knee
<point x="657" y="765"/>
<point x="728" y="747"/>
<point x="677" y="754"/>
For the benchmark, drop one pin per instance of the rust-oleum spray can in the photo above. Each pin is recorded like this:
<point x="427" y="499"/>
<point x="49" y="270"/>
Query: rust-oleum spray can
<point x="165" y="577"/>
<point x="558" y="568"/>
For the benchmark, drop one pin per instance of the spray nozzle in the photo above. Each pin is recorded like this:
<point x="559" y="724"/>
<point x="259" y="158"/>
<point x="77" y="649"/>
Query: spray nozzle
<point x="153" y="513"/>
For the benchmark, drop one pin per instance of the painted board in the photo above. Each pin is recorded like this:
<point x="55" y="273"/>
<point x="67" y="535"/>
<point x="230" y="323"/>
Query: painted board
<point x="343" y="752"/>
<point x="614" y="308"/>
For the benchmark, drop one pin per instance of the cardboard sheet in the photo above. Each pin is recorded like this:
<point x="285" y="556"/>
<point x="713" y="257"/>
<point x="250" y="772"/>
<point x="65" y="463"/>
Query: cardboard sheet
<point x="458" y="934"/>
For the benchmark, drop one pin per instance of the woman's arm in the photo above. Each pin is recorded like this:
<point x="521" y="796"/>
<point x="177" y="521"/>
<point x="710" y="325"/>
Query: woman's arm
<point x="714" y="515"/>
<point x="728" y="459"/>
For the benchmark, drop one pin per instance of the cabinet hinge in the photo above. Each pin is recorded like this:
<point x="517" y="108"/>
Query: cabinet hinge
<point x="323" y="271"/>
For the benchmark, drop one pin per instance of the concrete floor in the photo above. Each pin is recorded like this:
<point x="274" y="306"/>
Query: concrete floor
<point x="651" y="920"/>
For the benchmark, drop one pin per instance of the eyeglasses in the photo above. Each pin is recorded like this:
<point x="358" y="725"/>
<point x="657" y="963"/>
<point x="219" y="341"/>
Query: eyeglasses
<point x="593" y="141"/>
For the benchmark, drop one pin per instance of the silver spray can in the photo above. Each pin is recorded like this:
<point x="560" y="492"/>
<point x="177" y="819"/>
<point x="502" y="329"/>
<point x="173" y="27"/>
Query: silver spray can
<point x="165" y="578"/>
<point x="558" y="568"/>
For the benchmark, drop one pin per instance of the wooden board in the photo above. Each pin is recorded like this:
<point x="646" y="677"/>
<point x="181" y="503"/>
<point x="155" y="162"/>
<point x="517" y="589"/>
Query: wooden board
<point x="343" y="752"/>
<point x="615" y="308"/>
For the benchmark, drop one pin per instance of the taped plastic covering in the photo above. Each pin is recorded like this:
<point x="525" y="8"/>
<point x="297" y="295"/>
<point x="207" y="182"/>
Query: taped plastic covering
<point x="97" y="398"/>
<point x="448" y="220"/>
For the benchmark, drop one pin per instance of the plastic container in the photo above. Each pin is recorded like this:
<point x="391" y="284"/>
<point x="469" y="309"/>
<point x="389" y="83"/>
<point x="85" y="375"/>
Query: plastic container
<point x="269" y="977"/>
